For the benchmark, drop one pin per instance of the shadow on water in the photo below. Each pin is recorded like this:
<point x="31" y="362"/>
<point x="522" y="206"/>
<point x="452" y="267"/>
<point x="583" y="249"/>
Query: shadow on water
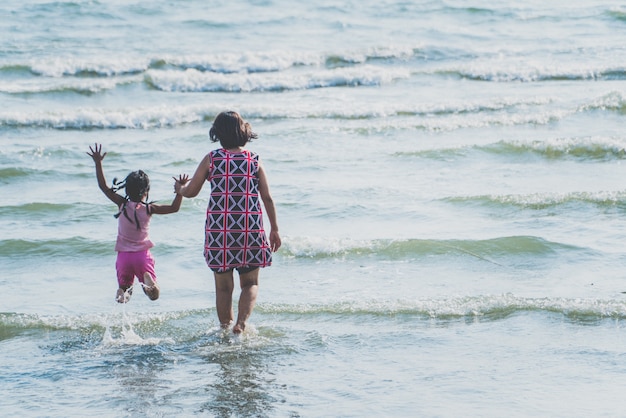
<point x="139" y="374"/>
<point x="242" y="380"/>
<point x="164" y="365"/>
<point x="210" y="374"/>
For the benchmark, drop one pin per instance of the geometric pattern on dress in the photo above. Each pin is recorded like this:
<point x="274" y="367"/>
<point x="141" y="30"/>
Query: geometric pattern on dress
<point x="236" y="240"/>
<point x="238" y="167"/>
<point x="233" y="256"/>
<point x="256" y="240"/>
<point x="238" y="185"/>
<point x="234" y="227"/>
<point x="235" y="222"/>
<point x="258" y="254"/>
<point x="254" y="205"/>
<point x="256" y="224"/>
<point x="213" y="240"/>
<point x="217" y="256"/>
<point x="219" y="185"/>
<point x="237" y="204"/>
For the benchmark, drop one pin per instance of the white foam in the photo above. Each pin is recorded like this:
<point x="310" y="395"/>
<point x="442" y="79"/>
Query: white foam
<point x="105" y="66"/>
<point x="82" y="85"/>
<point x="192" y="80"/>
<point x="507" y="69"/>
<point x="245" y="62"/>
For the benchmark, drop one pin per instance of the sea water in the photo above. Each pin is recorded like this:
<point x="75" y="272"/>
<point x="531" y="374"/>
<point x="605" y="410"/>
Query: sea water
<point x="449" y="181"/>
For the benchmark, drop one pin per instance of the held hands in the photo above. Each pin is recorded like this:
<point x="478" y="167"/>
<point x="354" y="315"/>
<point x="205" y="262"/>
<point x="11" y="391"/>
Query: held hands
<point x="180" y="182"/>
<point x="96" y="153"/>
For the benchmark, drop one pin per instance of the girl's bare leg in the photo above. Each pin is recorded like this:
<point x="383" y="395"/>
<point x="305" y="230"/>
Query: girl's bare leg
<point x="249" y="291"/>
<point x="123" y="294"/>
<point x="224" y="298"/>
<point x="150" y="288"/>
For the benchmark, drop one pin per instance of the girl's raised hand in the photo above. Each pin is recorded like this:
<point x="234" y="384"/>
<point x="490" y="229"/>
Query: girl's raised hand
<point x="182" y="179"/>
<point x="179" y="182"/>
<point x="96" y="152"/>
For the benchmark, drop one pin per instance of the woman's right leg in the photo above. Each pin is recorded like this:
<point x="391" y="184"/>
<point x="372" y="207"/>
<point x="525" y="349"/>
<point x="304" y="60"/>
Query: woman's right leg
<point x="224" y="298"/>
<point x="249" y="291"/>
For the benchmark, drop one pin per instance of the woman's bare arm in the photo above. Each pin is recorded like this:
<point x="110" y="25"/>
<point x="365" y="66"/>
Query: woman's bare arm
<point x="270" y="209"/>
<point x="193" y="187"/>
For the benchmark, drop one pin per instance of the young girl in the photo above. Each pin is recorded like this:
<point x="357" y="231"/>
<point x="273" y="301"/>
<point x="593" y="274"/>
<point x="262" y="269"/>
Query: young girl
<point x="235" y="238"/>
<point x="133" y="240"/>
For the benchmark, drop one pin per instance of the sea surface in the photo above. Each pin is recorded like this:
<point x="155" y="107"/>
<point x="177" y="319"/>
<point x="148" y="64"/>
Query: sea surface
<point x="450" y="181"/>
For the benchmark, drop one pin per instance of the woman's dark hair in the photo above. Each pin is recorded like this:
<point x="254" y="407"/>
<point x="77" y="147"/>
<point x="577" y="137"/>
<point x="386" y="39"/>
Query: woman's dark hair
<point x="231" y="130"/>
<point x="136" y="185"/>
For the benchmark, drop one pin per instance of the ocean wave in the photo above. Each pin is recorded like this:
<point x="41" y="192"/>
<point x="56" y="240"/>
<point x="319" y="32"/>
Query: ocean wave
<point x="36" y="207"/>
<point x="289" y="68"/>
<point x="601" y="199"/>
<point x="95" y="321"/>
<point x="588" y="148"/>
<point x="192" y="80"/>
<point x="9" y="174"/>
<point x="224" y="63"/>
<point x="487" y="307"/>
<point x="617" y="14"/>
<point x="490" y="250"/>
<point x="481" y="307"/>
<point x="71" y="247"/>
<point x="449" y="116"/>
<point x="445" y="116"/>
<point x="486" y="249"/>
<point x="160" y="116"/>
<point x="45" y="210"/>
<point x="120" y="329"/>
<point x="234" y="72"/>
<point x="85" y="67"/>
<point x="65" y="85"/>
<point x="473" y="107"/>
<point x="584" y="149"/>
<point x="101" y="327"/>
<point x="613" y="101"/>
<point x="522" y="70"/>
<point x="245" y="62"/>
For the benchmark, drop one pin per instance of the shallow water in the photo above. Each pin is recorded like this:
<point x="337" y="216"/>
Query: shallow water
<point x="448" y="179"/>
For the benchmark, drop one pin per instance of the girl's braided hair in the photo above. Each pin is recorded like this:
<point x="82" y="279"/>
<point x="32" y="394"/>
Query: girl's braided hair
<point x="136" y="185"/>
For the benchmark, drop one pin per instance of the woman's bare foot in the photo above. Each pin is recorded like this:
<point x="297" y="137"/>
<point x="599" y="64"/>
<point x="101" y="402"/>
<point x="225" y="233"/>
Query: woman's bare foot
<point x="150" y="288"/>
<point x="239" y="328"/>
<point x="123" y="296"/>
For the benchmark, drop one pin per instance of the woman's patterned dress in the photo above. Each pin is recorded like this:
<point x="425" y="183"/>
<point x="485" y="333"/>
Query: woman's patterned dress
<point x="234" y="225"/>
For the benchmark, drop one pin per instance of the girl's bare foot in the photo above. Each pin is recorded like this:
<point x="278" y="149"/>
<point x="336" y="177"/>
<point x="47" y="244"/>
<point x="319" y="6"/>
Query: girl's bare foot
<point x="150" y="288"/>
<point x="123" y="296"/>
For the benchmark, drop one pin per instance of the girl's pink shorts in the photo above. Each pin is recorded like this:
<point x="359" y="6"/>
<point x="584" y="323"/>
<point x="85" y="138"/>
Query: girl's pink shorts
<point x="133" y="264"/>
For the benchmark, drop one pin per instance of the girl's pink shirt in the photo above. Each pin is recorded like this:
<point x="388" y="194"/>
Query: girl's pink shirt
<point x="129" y="238"/>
